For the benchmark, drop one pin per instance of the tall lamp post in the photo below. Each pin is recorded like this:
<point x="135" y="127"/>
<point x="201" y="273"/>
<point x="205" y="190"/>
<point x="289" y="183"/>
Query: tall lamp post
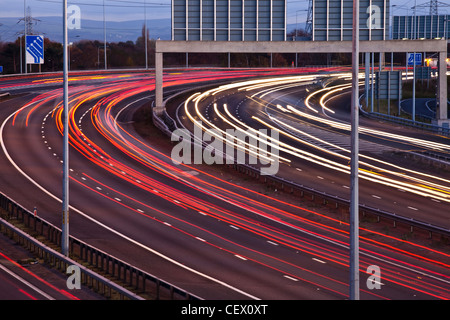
<point x="145" y="35"/>
<point x="25" y="33"/>
<point x="104" y="34"/>
<point x="65" y="196"/>
<point x="354" y="202"/>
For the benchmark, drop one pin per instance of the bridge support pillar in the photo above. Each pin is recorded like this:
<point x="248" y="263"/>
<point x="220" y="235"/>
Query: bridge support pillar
<point x="442" y="112"/>
<point x="159" y="106"/>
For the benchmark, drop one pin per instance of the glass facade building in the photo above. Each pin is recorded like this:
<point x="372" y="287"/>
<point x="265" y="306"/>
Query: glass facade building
<point x="229" y="20"/>
<point x="332" y="20"/>
<point x="420" y="27"/>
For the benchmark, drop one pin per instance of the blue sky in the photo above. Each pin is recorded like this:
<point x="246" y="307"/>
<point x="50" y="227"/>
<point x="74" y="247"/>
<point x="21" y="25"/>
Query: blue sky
<point x="123" y="10"/>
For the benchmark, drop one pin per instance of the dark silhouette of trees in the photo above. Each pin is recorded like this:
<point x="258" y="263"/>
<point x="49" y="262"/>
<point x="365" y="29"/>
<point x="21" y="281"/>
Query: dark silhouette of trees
<point x="89" y="55"/>
<point x="83" y="55"/>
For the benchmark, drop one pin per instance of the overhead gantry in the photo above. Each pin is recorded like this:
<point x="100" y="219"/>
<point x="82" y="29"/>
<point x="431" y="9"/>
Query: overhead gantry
<point x="438" y="46"/>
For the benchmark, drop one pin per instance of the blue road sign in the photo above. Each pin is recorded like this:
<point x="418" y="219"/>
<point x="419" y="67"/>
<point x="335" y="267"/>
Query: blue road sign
<point x="418" y="59"/>
<point x="35" y="49"/>
<point x="1" y="69"/>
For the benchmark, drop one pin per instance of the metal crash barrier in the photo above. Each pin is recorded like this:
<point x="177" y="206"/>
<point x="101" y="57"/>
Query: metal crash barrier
<point x="109" y="270"/>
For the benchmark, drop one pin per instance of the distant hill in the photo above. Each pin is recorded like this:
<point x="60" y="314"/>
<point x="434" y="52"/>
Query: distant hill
<point x="51" y="27"/>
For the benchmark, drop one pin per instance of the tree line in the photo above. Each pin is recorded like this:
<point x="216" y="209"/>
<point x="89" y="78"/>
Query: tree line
<point x="89" y="55"/>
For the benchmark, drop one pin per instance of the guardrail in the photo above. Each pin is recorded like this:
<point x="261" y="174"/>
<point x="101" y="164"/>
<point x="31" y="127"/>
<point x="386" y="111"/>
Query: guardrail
<point x="408" y="122"/>
<point x="139" y="282"/>
<point x="344" y="204"/>
<point x="337" y="202"/>
<point x="405" y="122"/>
<point x="57" y="260"/>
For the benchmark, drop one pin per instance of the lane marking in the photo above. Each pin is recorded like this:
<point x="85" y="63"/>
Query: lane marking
<point x="139" y="244"/>
<point x="25" y="282"/>
<point x="315" y="259"/>
<point x="290" y="278"/>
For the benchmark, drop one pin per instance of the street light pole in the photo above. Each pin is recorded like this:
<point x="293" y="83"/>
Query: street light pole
<point x="104" y="35"/>
<point x="25" y="33"/>
<point x="21" y="57"/>
<point x="145" y="35"/>
<point x="354" y="203"/>
<point x="414" y="66"/>
<point x="65" y="196"/>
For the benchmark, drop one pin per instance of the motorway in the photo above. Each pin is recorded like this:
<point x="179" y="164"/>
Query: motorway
<point x="201" y="231"/>
<point x="315" y="141"/>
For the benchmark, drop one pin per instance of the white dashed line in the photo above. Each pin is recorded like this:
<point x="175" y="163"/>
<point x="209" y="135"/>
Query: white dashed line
<point x="290" y="278"/>
<point x="318" y="260"/>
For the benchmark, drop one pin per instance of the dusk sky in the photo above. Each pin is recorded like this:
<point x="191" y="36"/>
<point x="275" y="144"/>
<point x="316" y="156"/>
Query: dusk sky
<point x="132" y="9"/>
<point x="123" y="10"/>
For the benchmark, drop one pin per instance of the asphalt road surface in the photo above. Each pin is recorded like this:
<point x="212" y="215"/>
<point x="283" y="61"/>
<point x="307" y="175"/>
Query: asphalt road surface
<point x="187" y="225"/>
<point x="23" y="277"/>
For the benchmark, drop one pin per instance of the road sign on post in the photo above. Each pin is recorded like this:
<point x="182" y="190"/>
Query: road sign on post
<point x="423" y="73"/>
<point x="388" y="85"/>
<point x="414" y="57"/>
<point x="35" y="49"/>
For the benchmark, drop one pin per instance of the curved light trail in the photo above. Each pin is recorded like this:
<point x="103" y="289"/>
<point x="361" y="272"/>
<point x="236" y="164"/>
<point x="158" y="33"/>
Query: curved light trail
<point x="93" y="121"/>
<point x="405" y="181"/>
